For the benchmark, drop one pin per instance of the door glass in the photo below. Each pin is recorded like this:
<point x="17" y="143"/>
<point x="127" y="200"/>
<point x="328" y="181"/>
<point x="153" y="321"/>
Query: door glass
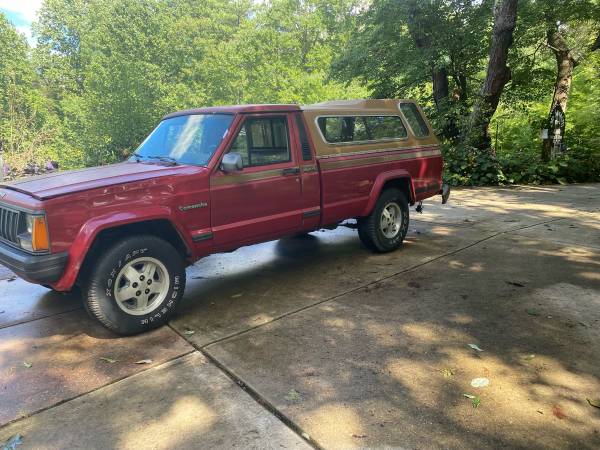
<point x="263" y="141"/>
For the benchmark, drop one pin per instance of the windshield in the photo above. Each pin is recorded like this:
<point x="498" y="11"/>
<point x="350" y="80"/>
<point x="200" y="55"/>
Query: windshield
<point x="189" y="139"/>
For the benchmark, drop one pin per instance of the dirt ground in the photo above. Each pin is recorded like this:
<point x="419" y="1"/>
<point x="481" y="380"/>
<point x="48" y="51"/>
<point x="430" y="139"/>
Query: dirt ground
<point x="317" y="342"/>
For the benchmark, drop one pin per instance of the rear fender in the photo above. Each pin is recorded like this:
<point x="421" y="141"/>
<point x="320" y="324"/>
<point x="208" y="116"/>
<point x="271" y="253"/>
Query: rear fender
<point x="380" y="182"/>
<point x="90" y="230"/>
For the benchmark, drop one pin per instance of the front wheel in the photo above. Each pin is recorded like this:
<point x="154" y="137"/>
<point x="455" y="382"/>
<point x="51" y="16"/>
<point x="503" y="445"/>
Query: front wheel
<point x="386" y="227"/>
<point x="135" y="285"/>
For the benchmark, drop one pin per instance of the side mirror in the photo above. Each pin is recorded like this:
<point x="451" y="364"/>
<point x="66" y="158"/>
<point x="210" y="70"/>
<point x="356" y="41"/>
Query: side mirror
<point x="232" y="162"/>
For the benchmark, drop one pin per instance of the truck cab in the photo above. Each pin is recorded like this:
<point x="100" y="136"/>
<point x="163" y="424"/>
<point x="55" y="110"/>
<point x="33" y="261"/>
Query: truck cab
<point x="211" y="180"/>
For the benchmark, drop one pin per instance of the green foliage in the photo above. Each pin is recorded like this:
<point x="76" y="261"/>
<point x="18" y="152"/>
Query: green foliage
<point x="29" y="128"/>
<point x="104" y="72"/>
<point x="116" y="67"/>
<point x="518" y="127"/>
<point x="399" y="44"/>
<point x="468" y="166"/>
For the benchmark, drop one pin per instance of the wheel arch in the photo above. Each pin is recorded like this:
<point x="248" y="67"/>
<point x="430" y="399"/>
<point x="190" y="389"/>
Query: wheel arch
<point x="399" y="179"/>
<point x="93" y="237"/>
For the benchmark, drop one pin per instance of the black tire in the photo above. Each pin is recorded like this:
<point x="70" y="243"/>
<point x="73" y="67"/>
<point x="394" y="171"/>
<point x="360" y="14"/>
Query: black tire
<point x="301" y="236"/>
<point x="369" y="229"/>
<point x="100" y="288"/>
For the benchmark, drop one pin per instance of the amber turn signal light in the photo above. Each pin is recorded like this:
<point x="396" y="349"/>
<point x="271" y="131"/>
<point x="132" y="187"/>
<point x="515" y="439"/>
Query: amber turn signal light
<point x="39" y="234"/>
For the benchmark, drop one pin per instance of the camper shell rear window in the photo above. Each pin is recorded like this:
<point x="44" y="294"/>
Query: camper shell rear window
<point x="415" y="120"/>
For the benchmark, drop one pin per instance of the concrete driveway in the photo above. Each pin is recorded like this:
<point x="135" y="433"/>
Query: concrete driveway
<point x="317" y="342"/>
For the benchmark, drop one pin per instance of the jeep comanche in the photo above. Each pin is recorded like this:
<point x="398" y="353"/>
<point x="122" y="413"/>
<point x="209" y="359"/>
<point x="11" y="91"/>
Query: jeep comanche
<point x="212" y="180"/>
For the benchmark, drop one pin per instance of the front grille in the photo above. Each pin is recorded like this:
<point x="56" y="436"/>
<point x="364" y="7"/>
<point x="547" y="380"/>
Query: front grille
<point x="9" y="225"/>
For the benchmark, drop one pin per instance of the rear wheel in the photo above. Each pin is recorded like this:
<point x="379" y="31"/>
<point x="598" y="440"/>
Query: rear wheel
<point x="386" y="227"/>
<point x="135" y="285"/>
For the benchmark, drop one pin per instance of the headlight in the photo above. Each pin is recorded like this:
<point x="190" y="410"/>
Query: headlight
<point x="35" y="238"/>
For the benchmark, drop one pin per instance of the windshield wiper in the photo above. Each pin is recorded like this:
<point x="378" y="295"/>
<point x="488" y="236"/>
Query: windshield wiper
<point x="166" y="159"/>
<point x="137" y="156"/>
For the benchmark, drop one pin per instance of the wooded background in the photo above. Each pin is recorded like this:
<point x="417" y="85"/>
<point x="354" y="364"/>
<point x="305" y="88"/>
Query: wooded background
<point x="103" y="72"/>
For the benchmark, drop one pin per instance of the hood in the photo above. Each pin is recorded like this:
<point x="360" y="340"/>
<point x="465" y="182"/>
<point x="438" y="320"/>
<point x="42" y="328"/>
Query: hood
<point x="61" y="183"/>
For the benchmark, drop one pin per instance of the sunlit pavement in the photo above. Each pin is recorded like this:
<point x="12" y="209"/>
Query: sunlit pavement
<point x="316" y="341"/>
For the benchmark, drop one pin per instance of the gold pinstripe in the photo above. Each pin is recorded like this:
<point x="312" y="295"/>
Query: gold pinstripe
<point x="378" y="159"/>
<point x="245" y="177"/>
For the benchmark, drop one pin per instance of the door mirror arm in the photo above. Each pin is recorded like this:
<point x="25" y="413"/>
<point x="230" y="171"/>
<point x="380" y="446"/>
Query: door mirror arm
<point x="232" y="162"/>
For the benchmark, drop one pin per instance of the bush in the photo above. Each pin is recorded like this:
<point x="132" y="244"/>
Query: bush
<point x="467" y="166"/>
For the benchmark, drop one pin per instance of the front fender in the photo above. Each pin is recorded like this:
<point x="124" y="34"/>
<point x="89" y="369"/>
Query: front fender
<point x="90" y="230"/>
<point x="381" y="180"/>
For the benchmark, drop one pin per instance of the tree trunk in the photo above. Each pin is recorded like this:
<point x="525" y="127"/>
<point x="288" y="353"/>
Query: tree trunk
<point x="439" y="75"/>
<point x="441" y="96"/>
<point x="460" y="95"/>
<point x="565" y="63"/>
<point x="498" y="74"/>
<point x="596" y="44"/>
<point x="441" y="89"/>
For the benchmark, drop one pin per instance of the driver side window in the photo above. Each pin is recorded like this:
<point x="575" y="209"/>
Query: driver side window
<point x="263" y="141"/>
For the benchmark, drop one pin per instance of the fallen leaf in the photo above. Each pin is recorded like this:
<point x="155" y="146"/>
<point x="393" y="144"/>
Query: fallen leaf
<point x="475" y="347"/>
<point x="514" y="283"/>
<point x="529" y="357"/>
<point x="109" y="360"/>
<point x="236" y="295"/>
<point x="480" y="382"/>
<point x="558" y="412"/>
<point x="26" y="364"/>
<point x="447" y="373"/>
<point x="293" y="396"/>
<point x="595" y="402"/>
<point x="13" y="442"/>
<point x="475" y="401"/>
<point x="143" y="361"/>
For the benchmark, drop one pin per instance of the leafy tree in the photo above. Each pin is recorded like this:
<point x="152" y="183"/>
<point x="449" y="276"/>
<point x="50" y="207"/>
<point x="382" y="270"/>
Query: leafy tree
<point x="429" y="49"/>
<point x="28" y="131"/>
<point x="104" y="72"/>
<point x="125" y="64"/>
<point x="497" y="76"/>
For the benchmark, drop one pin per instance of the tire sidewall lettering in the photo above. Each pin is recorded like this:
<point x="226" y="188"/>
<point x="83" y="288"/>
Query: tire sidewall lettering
<point x="164" y="309"/>
<point x="403" y="226"/>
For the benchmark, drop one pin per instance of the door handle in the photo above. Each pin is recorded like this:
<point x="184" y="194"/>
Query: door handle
<point x="291" y="171"/>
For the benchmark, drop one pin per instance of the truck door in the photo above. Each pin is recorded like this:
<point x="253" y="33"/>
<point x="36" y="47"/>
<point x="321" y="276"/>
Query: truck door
<point x="264" y="199"/>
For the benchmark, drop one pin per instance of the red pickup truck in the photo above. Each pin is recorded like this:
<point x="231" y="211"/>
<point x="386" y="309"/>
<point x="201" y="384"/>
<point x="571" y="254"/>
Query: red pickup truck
<point x="212" y="180"/>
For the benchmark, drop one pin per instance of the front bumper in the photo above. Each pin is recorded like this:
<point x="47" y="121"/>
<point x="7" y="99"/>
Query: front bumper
<point x="41" y="269"/>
